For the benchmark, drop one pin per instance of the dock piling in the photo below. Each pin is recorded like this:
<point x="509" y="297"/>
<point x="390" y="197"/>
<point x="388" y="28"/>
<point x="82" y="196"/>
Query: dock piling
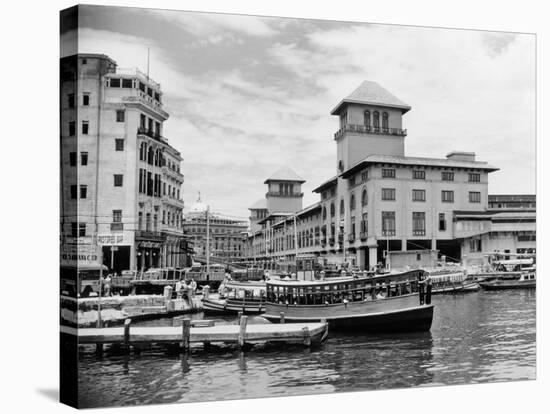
<point x="282" y="316"/>
<point x="239" y="316"/>
<point x="307" y="337"/>
<point x="127" y="323"/>
<point x="185" y="334"/>
<point x="242" y="331"/>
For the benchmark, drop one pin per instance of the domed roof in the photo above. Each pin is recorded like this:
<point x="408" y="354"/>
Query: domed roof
<point x="198" y="206"/>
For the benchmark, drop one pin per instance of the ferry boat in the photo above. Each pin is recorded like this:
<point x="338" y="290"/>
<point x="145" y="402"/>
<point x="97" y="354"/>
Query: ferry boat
<point x="392" y="302"/>
<point x="451" y="280"/>
<point x="248" y="297"/>
<point x="526" y="279"/>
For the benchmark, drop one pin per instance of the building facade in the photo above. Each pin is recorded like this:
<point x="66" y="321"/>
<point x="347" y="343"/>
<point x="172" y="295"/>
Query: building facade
<point x="225" y="234"/>
<point x="382" y="200"/>
<point x="121" y="181"/>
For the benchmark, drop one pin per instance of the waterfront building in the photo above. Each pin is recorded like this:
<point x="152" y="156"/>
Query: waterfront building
<point x="381" y="199"/>
<point x="226" y="234"/>
<point x="121" y="180"/>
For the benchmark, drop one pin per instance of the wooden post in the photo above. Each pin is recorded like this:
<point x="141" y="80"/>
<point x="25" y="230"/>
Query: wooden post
<point x="185" y="334"/>
<point x="127" y="323"/>
<point x="242" y="332"/>
<point x="239" y="316"/>
<point x="282" y="316"/>
<point x="306" y="335"/>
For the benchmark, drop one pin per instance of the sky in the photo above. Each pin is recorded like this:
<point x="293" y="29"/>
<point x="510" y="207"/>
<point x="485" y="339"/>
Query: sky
<point x="247" y="95"/>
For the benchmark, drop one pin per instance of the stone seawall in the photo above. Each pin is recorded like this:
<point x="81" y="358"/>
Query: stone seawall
<point x="82" y="312"/>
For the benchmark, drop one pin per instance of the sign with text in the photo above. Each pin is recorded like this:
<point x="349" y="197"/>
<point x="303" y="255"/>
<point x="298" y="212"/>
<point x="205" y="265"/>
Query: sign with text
<point x="79" y="255"/>
<point x="110" y="239"/>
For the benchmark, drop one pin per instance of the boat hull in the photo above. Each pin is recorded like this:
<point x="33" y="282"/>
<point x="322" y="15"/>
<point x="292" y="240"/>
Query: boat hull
<point x="221" y="307"/>
<point x="501" y="285"/>
<point x="461" y="288"/>
<point x="365" y="317"/>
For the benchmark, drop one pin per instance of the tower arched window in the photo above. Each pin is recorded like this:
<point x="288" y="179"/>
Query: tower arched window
<point x="364" y="198"/>
<point x="385" y="125"/>
<point x="341" y="207"/>
<point x="366" y="119"/>
<point x="352" y="202"/>
<point x="376" y="120"/>
<point x="332" y="210"/>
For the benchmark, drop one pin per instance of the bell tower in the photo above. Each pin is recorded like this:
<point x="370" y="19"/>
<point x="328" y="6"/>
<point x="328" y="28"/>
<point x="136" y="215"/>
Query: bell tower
<point x="370" y="123"/>
<point x="284" y="192"/>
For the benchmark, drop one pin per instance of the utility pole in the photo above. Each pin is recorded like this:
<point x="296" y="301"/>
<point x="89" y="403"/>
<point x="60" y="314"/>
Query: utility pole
<point x="100" y="285"/>
<point x="207" y="240"/>
<point x="295" y="238"/>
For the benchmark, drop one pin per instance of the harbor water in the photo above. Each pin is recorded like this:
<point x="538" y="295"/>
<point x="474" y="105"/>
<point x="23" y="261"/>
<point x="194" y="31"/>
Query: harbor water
<point x="475" y="337"/>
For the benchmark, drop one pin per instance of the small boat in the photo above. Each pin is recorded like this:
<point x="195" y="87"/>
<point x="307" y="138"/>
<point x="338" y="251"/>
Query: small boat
<point x="248" y="297"/>
<point x="527" y="279"/>
<point x="451" y="280"/>
<point x="393" y="302"/>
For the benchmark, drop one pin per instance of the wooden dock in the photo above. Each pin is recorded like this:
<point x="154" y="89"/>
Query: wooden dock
<point x="204" y="332"/>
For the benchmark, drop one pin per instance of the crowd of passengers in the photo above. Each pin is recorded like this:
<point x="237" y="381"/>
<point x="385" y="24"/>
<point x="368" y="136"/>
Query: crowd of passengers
<point x="382" y="291"/>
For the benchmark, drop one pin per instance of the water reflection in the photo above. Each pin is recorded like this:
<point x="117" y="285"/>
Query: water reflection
<point x="475" y="337"/>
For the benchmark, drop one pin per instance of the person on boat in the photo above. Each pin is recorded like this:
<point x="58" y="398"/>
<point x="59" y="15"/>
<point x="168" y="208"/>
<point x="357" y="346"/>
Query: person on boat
<point x="192" y="287"/>
<point x="107" y="285"/>
<point x="178" y="289"/>
<point x="382" y="292"/>
<point x="322" y="274"/>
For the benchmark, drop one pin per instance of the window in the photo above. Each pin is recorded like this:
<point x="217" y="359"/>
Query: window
<point x="419" y="195"/>
<point x="419" y="174"/>
<point x="352" y="202"/>
<point x="83" y="191"/>
<point x="388" y="223"/>
<point x="364" y="198"/>
<point x="364" y="224"/>
<point x="117" y="216"/>
<point x="419" y="223"/>
<point x="332" y="210"/>
<point x="140" y="220"/>
<point x="83" y="158"/>
<point x="366" y="119"/>
<point x="385" y="125"/>
<point x="142" y="121"/>
<point x="474" y="196"/>
<point x="81" y="229"/>
<point x="143" y="151"/>
<point x="474" y="177"/>
<point x="364" y="175"/>
<point x="119" y="144"/>
<point x="74" y="190"/>
<point x="118" y="180"/>
<point x="324" y="213"/>
<point x="447" y="176"/>
<point x="85" y="126"/>
<point x="71" y="100"/>
<point x="72" y="128"/>
<point x="388" y="173"/>
<point x="475" y="245"/>
<point x="388" y="194"/>
<point x="442" y="222"/>
<point x="74" y="229"/>
<point x="343" y="119"/>
<point x="72" y="159"/>
<point x="141" y="87"/>
<point x="115" y="83"/>
<point x="86" y="99"/>
<point x="84" y="61"/>
<point x="447" y="196"/>
<point x="376" y="120"/>
<point x="342" y="207"/>
<point x="120" y="115"/>
<point x="126" y="83"/>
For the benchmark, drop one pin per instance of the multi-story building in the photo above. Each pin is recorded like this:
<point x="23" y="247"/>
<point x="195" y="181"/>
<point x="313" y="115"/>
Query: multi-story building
<point x="226" y="234"/>
<point x="120" y="178"/>
<point x="380" y="199"/>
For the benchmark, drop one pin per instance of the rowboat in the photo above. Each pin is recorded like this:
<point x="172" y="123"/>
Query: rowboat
<point x="393" y="302"/>
<point x="247" y="297"/>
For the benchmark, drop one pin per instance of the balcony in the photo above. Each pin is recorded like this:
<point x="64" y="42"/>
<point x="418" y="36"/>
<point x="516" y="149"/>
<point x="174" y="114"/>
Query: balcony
<point x="363" y="235"/>
<point x="117" y="226"/>
<point x="388" y="233"/>
<point x="174" y="173"/>
<point x="149" y="235"/>
<point x="419" y="232"/>
<point x="152" y="134"/>
<point x="173" y="201"/>
<point x="362" y="129"/>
